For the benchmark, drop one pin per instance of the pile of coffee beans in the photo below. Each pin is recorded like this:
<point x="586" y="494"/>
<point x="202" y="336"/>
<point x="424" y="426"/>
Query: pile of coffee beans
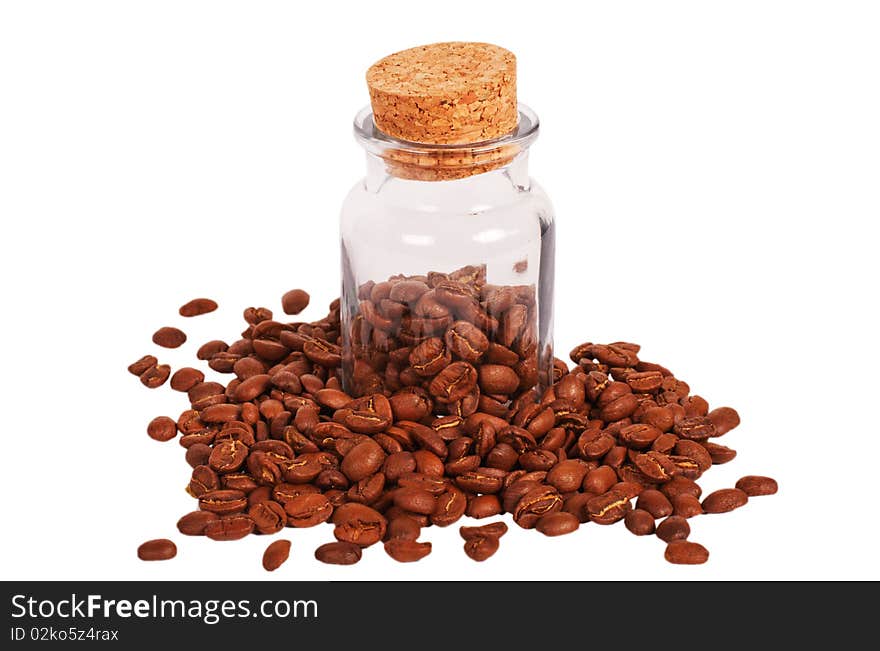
<point x="443" y="420"/>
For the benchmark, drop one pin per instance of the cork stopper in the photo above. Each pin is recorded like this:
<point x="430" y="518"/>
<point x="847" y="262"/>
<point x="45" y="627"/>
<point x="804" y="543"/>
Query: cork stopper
<point x="445" y="93"/>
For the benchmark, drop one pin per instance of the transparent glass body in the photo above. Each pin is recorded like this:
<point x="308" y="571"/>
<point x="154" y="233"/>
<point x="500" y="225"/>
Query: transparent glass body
<point x="449" y="220"/>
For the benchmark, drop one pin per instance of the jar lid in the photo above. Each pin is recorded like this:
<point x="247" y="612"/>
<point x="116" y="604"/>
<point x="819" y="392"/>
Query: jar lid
<point x="445" y="93"/>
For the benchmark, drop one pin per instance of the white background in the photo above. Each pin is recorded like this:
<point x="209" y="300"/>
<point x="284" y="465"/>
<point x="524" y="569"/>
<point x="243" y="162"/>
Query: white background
<point x="714" y="167"/>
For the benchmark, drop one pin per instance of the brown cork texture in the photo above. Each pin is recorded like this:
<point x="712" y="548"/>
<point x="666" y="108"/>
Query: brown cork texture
<point x="445" y="93"/>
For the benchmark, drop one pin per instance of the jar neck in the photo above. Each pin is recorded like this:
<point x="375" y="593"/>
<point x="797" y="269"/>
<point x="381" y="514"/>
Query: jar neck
<point x="381" y="169"/>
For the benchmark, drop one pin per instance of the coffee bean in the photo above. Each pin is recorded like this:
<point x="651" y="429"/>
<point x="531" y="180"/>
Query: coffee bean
<point x="269" y="517"/>
<point x="160" y="549"/>
<point x="211" y="348"/>
<point x="155" y="376"/>
<point x="609" y="507"/>
<point x="186" y="378"/>
<point x="338" y="553"/>
<point x="683" y="552"/>
<point x="694" y="451"/>
<point x="143" y="364"/>
<point x="697" y="428"/>
<point x="198" y="454"/>
<point x="223" y="502"/>
<point x="483" y="506"/>
<point x="228" y="455"/>
<point x="197" y="306"/>
<point x="481" y="548"/>
<point x="363" y="460"/>
<point x="600" y="480"/>
<point x="193" y="524"/>
<point x="679" y="485"/>
<point x="308" y="510"/>
<point x="454" y="382"/>
<point x="686" y="505"/>
<point x="754" y="485"/>
<point x="358" y="524"/>
<point x="230" y="527"/>
<point x="255" y="315"/>
<point x="169" y="337"/>
<point x="294" y="301"/>
<point x="639" y="522"/>
<point x="403" y="528"/>
<point x="407" y="551"/>
<point x="672" y="528"/>
<point x="497" y="379"/>
<point x="723" y="419"/>
<point x="724" y="500"/>
<point x="655" y="503"/>
<point x="203" y="480"/>
<point x="276" y="555"/>
<point x="719" y="453"/>
<point x="162" y="428"/>
<point x="557" y="524"/>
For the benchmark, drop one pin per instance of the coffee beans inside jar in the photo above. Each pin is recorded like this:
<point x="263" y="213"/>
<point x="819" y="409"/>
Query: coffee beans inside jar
<point x="447" y="416"/>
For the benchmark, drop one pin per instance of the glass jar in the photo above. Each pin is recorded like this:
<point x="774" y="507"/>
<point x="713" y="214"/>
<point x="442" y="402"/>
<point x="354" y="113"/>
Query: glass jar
<point x="439" y="242"/>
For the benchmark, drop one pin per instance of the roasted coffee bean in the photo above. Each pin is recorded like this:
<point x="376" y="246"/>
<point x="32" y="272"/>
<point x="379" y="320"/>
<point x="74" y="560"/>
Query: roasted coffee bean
<point x="655" y="503"/>
<point x="255" y="315"/>
<point x="403" y="528"/>
<point x="655" y="466"/>
<point x="450" y="506"/>
<point x="481" y="548"/>
<point x="358" y="524"/>
<point x="599" y="480"/>
<point x="536" y="503"/>
<point x="681" y="485"/>
<point x="198" y="454"/>
<point x="695" y="451"/>
<point x="686" y="505"/>
<point x="724" y="500"/>
<point x="683" y="552"/>
<point x="407" y="551"/>
<point x="557" y="524"/>
<point x="223" y="502"/>
<point x="230" y="527"/>
<point x="143" y="364"/>
<point x="155" y="376"/>
<point x="415" y="500"/>
<point x="162" y="428"/>
<point x="168" y="337"/>
<point x="308" y="510"/>
<point x="338" y="553"/>
<point x="228" y="455"/>
<point x="294" y="301"/>
<point x="719" y="453"/>
<point x="193" y="524"/>
<point x="639" y="522"/>
<point x="268" y="516"/>
<point x="466" y="341"/>
<point x="723" y="419"/>
<point x="211" y="348"/>
<point x="483" y="506"/>
<point x="697" y="428"/>
<point x="639" y="436"/>
<point x="363" y="460"/>
<point x="454" y="382"/>
<point x="672" y="528"/>
<point x="203" y="480"/>
<point x="609" y="507"/>
<point x="276" y="555"/>
<point x="186" y="378"/>
<point x="197" y="306"/>
<point x="567" y="476"/>
<point x="161" y="549"/>
<point x="754" y="485"/>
